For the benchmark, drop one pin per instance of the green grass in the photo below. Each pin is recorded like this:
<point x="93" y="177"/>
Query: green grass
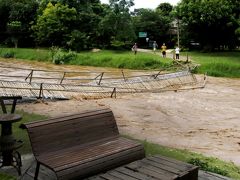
<point x="218" y="64"/>
<point x="28" y="54"/>
<point x="205" y="163"/>
<point x="7" y="177"/>
<point x="104" y="58"/>
<point x="121" y="59"/>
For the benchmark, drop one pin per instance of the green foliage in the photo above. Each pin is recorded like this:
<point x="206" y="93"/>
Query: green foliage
<point x="7" y="177"/>
<point x="62" y="57"/>
<point x="211" y="23"/>
<point x="117" y="44"/>
<point x="81" y="32"/>
<point x="116" y="27"/>
<point x="204" y="165"/>
<point x="14" y="26"/>
<point x="156" y="24"/>
<point x="8" y="54"/>
<point x="78" y="40"/>
<point x="121" y="59"/>
<point x="219" y="64"/>
<point x="54" y="25"/>
<point x="165" y="8"/>
<point x="28" y="54"/>
<point x="15" y="20"/>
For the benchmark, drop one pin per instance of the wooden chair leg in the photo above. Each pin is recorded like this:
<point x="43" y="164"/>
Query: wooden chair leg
<point x="37" y="171"/>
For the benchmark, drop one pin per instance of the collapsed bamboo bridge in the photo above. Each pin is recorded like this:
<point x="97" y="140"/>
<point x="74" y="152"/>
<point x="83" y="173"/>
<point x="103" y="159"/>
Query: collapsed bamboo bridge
<point x="35" y="83"/>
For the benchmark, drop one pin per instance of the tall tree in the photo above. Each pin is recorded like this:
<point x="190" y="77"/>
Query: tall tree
<point x="212" y="23"/>
<point x="165" y="8"/>
<point x="155" y="23"/>
<point x="15" y="20"/>
<point x="117" y="26"/>
<point x="54" y="26"/>
<point x="85" y="30"/>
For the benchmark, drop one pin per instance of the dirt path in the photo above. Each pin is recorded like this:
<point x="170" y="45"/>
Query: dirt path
<point x="201" y="120"/>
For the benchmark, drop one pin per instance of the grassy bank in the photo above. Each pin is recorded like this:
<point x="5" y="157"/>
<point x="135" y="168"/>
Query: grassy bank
<point x="104" y="58"/>
<point x="206" y="163"/>
<point x="218" y="64"/>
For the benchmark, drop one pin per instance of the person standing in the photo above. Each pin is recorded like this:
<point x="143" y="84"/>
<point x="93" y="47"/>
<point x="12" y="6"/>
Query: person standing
<point x="134" y="48"/>
<point x="164" y="48"/>
<point x="155" y="46"/>
<point x="177" y="52"/>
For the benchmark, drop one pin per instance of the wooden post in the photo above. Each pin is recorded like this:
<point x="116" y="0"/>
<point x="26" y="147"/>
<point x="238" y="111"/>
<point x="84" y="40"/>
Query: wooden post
<point x="41" y="91"/>
<point x="123" y="75"/>
<point x="14" y="98"/>
<point x="157" y="75"/>
<point x="3" y="106"/>
<point x="63" y="77"/>
<point x="30" y="75"/>
<point x="114" y="92"/>
<point x="100" y="78"/>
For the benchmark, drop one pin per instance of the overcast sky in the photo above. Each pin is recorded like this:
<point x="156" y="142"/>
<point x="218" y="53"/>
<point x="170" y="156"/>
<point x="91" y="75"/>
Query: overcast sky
<point x="149" y="3"/>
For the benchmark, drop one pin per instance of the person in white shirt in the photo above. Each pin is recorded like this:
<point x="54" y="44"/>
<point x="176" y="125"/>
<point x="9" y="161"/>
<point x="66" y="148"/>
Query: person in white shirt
<point x="134" y="48"/>
<point x="155" y="46"/>
<point x="177" y="52"/>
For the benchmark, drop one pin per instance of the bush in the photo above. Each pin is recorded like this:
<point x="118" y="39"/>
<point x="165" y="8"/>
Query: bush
<point x="205" y="165"/>
<point x="61" y="57"/>
<point x="9" y="54"/>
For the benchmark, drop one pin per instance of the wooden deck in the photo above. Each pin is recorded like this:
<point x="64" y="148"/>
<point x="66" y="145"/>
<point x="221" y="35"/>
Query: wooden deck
<point x="152" y="168"/>
<point x="30" y="164"/>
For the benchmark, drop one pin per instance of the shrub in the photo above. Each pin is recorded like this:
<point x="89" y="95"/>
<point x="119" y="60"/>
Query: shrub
<point x="205" y="165"/>
<point x="9" y="54"/>
<point x="61" y="57"/>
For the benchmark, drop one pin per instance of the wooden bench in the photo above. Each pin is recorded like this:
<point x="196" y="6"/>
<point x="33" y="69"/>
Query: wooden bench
<point x="81" y="145"/>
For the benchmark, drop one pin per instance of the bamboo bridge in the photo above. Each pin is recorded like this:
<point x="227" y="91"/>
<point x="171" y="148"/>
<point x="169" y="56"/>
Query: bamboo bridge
<point x="34" y="83"/>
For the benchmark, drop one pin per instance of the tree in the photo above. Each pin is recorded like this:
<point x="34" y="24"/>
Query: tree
<point x="155" y="23"/>
<point x="14" y="29"/>
<point x="85" y="32"/>
<point x="213" y="23"/>
<point x="165" y="8"/>
<point x="16" y="17"/>
<point x="117" y="26"/>
<point x="54" y="26"/>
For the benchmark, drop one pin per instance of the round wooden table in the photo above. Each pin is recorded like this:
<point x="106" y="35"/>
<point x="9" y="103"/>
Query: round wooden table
<point x="8" y="143"/>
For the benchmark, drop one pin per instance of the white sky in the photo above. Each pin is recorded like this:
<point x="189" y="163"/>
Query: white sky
<point x="152" y="4"/>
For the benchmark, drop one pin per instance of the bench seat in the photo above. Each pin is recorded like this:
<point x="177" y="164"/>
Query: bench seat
<point x="81" y="145"/>
<point x="92" y="159"/>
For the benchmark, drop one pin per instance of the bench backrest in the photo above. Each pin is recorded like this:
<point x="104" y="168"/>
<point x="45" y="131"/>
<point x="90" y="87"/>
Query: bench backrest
<point x="69" y="131"/>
